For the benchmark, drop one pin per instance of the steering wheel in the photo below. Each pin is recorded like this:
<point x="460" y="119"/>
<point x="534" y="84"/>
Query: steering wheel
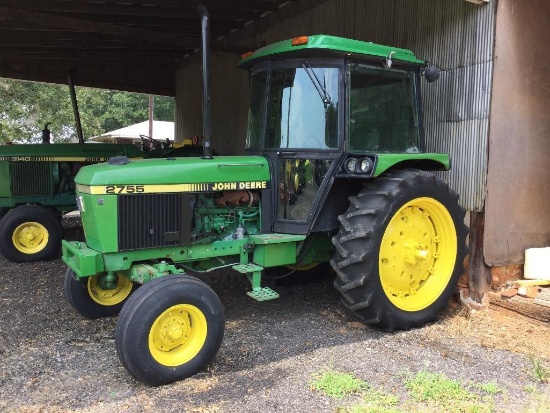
<point x="148" y="143"/>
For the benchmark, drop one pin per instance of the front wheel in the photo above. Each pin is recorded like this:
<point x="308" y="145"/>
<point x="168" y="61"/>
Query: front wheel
<point x="30" y="233"/>
<point x="101" y="295"/>
<point x="170" y="329"/>
<point x="400" y="250"/>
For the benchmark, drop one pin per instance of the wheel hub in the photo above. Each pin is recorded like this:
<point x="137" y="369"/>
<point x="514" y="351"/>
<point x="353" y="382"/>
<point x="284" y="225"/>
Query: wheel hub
<point x="30" y="237"/>
<point x="413" y="252"/>
<point x="173" y="331"/>
<point x="177" y="334"/>
<point x="109" y="289"/>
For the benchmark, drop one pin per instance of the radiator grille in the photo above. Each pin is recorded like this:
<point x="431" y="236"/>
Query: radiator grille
<point x="151" y="220"/>
<point x="31" y="178"/>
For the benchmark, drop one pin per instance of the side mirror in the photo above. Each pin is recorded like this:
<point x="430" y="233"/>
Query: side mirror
<point x="431" y="73"/>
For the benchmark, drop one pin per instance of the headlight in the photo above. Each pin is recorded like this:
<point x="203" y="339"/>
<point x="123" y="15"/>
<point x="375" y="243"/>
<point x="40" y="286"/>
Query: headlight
<point x="351" y="165"/>
<point x="366" y="165"/>
<point x="359" y="166"/>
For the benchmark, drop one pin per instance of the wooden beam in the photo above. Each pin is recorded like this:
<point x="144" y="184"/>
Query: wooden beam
<point x="143" y="78"/>
<point x="260" y="5"/>
<point x="87" y="26"/>
<point x="14" y="31"/>
<point x="115" y="55"/>
<point x="35" y="23"/>
<point x="147" y="22"/>
<point x="181" y="11"/>
<point x="44" y="42"/>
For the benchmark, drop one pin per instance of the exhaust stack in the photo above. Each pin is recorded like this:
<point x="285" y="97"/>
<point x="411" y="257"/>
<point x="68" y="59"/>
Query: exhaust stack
<point x="206" y="107"/>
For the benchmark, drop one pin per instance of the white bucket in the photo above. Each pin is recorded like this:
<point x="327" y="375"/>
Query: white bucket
<point x="537" y="264"/>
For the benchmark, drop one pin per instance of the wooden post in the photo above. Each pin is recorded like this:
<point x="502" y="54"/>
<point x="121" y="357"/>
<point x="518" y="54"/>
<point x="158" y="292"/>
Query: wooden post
<point x="479" y="274"/>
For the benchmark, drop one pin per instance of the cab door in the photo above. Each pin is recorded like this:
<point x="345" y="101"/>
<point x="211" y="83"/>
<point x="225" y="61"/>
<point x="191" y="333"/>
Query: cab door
<point x="301" y="137"/>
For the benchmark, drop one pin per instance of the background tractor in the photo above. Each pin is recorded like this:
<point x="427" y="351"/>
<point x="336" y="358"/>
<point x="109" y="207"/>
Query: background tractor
<point x="37" y="188"/>
<point x="334" y="172"/>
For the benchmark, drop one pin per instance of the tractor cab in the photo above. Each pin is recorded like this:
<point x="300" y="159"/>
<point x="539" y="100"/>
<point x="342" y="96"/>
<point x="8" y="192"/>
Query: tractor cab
<point x="314" y="106"/>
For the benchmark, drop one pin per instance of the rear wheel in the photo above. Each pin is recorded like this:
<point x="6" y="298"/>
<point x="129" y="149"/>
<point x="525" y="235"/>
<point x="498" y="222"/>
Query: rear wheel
<point x="400" y="250"/>
<point x="170" y="329"/>
<point x="30" y="233"/>
<point x="97" y="296"/>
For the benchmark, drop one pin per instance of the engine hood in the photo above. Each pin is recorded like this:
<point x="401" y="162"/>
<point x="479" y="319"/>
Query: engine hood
<point x="175" y="175"/>
<point x="67" y="152"/>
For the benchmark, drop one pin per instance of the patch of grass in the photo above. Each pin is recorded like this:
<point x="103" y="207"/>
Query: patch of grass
<point x="375" y="401"/>
<point x="337" y="385"/>
<point x="438" y="392"/>
<point x="490" y="388"/>
<point x="427" y="386"/>
<point x="541" y="373"/>
<point x="427" y="393"/>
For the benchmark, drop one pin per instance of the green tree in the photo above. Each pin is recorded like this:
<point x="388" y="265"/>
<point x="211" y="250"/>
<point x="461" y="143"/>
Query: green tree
<point x="25" y="107"/>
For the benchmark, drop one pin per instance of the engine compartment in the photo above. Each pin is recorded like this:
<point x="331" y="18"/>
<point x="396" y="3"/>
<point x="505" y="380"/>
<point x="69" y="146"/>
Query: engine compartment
<point x="225" y="215"/>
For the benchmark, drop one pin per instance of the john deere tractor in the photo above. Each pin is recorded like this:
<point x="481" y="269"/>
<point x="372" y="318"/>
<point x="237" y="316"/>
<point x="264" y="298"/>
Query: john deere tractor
<point x="37" y="187"/>
<point x="334" y="172"/>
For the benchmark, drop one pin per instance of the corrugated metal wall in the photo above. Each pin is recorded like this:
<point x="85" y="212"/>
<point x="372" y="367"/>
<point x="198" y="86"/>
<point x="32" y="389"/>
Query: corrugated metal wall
<point x="453" y="34"/>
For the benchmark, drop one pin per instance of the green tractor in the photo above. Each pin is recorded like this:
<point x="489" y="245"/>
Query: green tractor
<point x="37" y="188"/>
<point x="334" y="172"/>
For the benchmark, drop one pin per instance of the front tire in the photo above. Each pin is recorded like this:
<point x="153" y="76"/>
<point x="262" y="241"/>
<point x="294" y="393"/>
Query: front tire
<point x="170" y="329"/>
<point x="30" y="233"/>
<point x="90" y="297"/>
<point x="400" y="250"/>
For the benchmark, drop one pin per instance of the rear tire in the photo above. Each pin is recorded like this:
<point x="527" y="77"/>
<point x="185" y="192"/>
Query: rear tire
<point x="30" y="233"/>
<point x="170" y="329"/>
<point x="400" y="250"/>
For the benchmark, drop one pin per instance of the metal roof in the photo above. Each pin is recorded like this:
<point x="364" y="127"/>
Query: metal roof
<point x="132" y="45"/>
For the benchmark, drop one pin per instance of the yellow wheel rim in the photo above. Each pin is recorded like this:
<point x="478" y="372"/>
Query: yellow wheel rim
<point x="177" y="335"/>
<point x="417" y="254"/>
<point x="30" y="237"/>
<point x="109" y="296"/>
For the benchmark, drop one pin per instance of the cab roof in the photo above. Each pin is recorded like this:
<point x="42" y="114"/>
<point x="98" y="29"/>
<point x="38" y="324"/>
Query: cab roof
<point x="320" y="45"/>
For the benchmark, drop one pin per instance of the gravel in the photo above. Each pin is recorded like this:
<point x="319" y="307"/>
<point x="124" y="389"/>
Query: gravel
<point x="53" y="360"/>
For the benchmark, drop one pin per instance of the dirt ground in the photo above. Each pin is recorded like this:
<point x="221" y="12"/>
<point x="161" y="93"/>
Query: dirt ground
<point x="52" y="360"/>
<point x="517" y="325"/>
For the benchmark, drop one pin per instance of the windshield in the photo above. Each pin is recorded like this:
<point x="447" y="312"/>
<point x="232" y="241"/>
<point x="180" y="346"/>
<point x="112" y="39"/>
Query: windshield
<point x="302" y="109"/>
<point x="383" y="113"/>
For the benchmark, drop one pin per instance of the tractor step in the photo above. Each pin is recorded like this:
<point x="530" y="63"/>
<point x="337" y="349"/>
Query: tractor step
<point x="254" y="275"/>
<point x="247" y="268"/>
<point x="263" y="294"/>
